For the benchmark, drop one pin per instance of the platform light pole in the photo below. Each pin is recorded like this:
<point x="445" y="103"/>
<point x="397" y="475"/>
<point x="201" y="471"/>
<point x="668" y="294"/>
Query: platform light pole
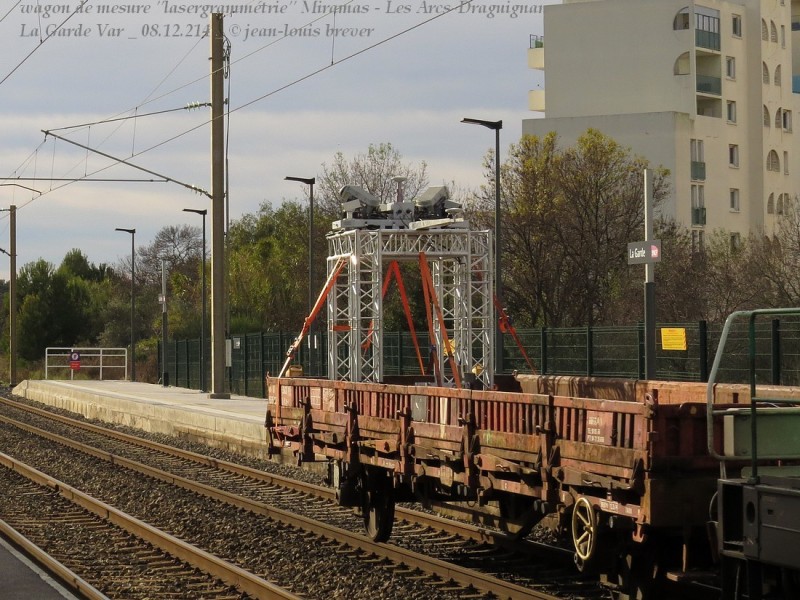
<point x="309" y="181"/>
<point x="203" y="386"/>
<point x="498" y="285"/>
<point x="133" y="299"/>
<point x="12" y="284"/>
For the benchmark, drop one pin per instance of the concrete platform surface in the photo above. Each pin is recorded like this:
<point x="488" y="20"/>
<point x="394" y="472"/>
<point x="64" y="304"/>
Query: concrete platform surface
<point x="24" y="580"/>
<point x="235" y="424"/>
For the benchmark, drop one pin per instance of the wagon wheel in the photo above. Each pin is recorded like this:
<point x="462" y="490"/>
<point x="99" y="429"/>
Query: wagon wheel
<point x="377" y="506"/>
<point x="584" y="530"/>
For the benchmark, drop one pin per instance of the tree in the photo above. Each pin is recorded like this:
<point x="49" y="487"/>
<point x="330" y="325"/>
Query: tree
<point x="569" y="215"/>
<point x="373" y="171"/>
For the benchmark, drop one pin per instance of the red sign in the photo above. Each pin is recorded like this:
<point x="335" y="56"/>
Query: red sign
<point x="75" y="361"/>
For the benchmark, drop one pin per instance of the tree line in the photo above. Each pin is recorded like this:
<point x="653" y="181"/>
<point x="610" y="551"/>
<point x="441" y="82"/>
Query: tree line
<point x="568" y="215"/>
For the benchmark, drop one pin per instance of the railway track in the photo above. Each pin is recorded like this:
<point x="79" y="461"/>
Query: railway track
<point x="446" y="559"/>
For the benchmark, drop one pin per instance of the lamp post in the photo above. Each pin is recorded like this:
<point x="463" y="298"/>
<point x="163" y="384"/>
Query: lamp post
<point x="133" y="300"/>
<point x="203" y="386"/>
<point x="498" y="285"/>
<point x="309" y="181"/>
<point x="12" y="284"/>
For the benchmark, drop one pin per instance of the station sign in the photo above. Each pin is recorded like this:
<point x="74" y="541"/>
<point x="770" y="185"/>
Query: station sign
<point x="641" y="253"/>
<point x="75" y="361"/>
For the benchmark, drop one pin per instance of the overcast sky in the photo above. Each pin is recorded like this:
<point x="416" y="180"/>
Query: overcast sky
<point x="392" y="73"/>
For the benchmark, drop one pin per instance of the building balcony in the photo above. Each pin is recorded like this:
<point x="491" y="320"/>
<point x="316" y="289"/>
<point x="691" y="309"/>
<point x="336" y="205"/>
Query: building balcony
<point x="536" y="53"/>
<point x="706" y="39"/>
<point x="536" y="100"/>
<point x="699" y="215"/>
<point x="698" y="171"/>
<point x="706" y="84"/>
<point x="536" y="58"/>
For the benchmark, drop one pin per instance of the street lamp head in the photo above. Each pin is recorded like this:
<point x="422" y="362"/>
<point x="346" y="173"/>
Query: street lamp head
<point x="197" y="211"/>
<point x="489" y="124"/>
<point x="306" y="180"/>
<point x="131" y="231"/>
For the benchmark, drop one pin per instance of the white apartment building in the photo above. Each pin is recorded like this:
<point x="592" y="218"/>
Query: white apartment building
<point x="702" y="88"/>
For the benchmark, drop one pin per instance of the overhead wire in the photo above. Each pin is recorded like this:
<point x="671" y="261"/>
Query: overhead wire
<point x="257" y="99"/>
<point x="42" y="41"/>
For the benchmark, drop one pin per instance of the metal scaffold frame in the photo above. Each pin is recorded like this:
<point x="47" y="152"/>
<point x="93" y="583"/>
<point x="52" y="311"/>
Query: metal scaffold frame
<point x="460" y="262"/>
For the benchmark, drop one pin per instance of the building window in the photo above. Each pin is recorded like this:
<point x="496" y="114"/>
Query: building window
<point x="766" y="116"/>
<point x="764" y="30"/>
<point x="736" y="25"/>
<point x="764" y="73"/>
<point x="698" y="205"/>
<point x="730" y="67"/>
<point x="734" y="199"/>
<point x="785" y="162"/>
<point x="787" y="120"/>
<point x="771" y="204"/>
<point x="778" y="75"/>
<point x="698" y="241"/>
<point x="736" y="241"/>
<point x="773" y="162"/>
<point x="733" y="155"/>
<point x="731" y="111"/>
<point x="778" y="118"/>
<point x="779" y="208"/>
<point x="773" y="37"/>
<point x="783" y="36"/>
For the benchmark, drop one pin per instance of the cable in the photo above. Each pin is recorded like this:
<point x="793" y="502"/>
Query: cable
<point x="251" y="102"/>
<point x="49" y="35"/>
<point x="10" y="10"/>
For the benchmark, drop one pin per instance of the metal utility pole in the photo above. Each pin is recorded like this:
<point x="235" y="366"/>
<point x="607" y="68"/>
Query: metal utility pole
<point x="217" y="211"/>
<point x="649" y="283"/>
<point x="164" y="372"/>
<point x="498" y="278"/>
<point x="203" y="369"/>
<point x="12" y="296"/>
<point x="133" y="299"/>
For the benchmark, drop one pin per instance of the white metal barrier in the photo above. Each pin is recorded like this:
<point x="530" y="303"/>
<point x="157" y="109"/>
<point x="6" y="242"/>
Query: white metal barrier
<point x="104" y="360"/>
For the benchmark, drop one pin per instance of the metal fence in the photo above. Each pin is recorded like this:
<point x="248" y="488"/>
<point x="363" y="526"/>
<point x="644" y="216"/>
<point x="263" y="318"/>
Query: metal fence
<point x="89" y="363"/>
<point x="587" y="351"/>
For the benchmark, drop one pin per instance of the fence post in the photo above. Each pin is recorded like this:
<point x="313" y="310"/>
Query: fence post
<point x="640" y="348"/>
<point x="589" y="351"/>
<point x="543" y="350"/>
<point x="246" y="361"/>
<point x="400" y="353"/>
<point x="261" y="366"/>
<point x="702" y="332"/>
<point x="776" y="352"/>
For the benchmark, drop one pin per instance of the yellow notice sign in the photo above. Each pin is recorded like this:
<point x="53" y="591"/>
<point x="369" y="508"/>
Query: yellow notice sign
<point x="673" y="338"/>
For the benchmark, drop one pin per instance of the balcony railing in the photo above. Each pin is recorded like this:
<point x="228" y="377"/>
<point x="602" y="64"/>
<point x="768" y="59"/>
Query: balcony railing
<point x="537" y="41"/>
<point x="698" y="171"/>
<point x="706" y="84"/>
<point x="699" y="215"/>
<point x="706" y="39"/>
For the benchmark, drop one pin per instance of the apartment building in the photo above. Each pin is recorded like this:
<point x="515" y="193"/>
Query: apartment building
<point x="704" y="89"/>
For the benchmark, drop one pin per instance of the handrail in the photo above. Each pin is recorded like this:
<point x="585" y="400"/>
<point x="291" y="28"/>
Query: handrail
<point x="710" y="412"/>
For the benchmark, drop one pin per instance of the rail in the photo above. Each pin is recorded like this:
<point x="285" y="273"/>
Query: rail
<point x="731" y="415"/>
<point x="79" y="359"/>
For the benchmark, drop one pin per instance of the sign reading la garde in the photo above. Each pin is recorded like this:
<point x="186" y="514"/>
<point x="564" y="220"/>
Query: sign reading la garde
<point x="640" y="253"/>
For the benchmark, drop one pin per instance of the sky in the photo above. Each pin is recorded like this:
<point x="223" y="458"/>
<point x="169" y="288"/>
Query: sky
<point x="308" y="79"/>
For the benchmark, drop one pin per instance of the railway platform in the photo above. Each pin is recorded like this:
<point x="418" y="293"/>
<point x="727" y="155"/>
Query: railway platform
<point x="235" y="424"/>
<point x="23" y="580"/>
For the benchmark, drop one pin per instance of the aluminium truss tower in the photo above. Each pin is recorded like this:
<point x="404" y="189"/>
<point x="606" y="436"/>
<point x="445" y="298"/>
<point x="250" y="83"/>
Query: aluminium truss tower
<point x="460" y="262"/>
